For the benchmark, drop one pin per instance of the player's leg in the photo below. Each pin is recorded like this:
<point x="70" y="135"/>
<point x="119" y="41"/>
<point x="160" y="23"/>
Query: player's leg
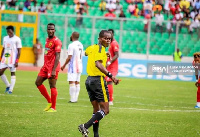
<point x="4" y="78"/>
<point x="198" y="98"/>
<point x="88" y="83"/>
<point x="72" y="91"/>
<point x="13" y="79"/>
<point x="12" y="82"/>
<point x="110" y="85"/>
<point x="77" y="83"/>
<point x="54" y="92"/>
<point x="72" y="87"/>
<point x="104" y="110"/>
<point x="110" y="90"/>
<point x="96" y="108"/>
<point x="100" y="90"/>
<point x="39" y="83"/>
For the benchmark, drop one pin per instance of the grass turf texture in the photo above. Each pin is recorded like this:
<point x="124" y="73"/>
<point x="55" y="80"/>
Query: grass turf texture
<point x="142" y="108"/>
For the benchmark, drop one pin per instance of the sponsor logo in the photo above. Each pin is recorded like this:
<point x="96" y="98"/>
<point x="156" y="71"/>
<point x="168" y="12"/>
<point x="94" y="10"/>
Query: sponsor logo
<point x="50" y="44"/>
<point x="7" y="55"/>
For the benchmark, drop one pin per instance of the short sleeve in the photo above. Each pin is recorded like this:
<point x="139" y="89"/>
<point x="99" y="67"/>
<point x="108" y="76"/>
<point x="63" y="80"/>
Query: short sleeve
<point x="88" y="51"/>
<point x="18" y="43"/>
<point x="98" y="55"/>
<point x="115" y="47"/>
<point x="58" y="45"/>
<point x="70" y="49"/>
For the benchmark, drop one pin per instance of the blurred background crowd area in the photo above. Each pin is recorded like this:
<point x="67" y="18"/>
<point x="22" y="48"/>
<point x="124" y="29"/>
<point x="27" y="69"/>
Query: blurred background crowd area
<point x="133" y="37"/>
<point x="175" y="10"/>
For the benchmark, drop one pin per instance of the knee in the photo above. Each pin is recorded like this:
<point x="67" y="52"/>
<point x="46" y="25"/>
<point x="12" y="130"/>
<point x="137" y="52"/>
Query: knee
<point x="1" y="73"/>
<point x="37" y="83"/>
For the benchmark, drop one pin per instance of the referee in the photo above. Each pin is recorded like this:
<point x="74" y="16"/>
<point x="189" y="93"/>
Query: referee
<point x="95" y="83"/>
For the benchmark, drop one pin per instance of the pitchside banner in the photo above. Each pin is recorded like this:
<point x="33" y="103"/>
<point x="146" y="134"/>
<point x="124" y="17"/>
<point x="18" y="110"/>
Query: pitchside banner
<point x="154" y="69"/>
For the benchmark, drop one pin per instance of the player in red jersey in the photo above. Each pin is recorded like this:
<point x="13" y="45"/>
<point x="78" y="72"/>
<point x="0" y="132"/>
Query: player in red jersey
<point x="112" y="64"/>
<point x="50" y="68"/>
<point x="196" y="64"/>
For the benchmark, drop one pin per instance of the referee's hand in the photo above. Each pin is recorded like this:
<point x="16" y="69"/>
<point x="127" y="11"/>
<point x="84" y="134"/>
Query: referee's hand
<point x="115" y="80"/>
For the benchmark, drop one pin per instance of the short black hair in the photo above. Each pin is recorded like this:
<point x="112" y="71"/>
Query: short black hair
<point x="101" y="34"/>
<point x="111" y="31"/>
<point x="51" y="24"/>
<point x="10" y="27"/>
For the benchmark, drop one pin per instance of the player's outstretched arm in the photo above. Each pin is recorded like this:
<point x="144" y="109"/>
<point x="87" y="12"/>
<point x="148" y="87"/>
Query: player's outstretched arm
<point x="66" y="62"/>
<point x="105" y="71"/>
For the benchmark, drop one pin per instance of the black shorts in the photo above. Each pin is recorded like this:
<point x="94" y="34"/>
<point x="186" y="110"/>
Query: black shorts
<point x="97" y="88"/>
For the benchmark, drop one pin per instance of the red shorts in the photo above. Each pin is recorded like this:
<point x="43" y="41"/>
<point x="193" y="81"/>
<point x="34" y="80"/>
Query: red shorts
<point x="114" y="73"/>
<point x="45" y="73"/>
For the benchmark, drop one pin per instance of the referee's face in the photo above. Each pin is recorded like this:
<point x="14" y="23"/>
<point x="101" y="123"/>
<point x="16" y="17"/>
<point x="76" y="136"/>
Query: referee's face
<point x="50" y="30"/>
<point x="106" y="39"/>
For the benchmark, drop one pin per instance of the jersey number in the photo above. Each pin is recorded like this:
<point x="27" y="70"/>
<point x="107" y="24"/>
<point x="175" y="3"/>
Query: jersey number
<point x="80" y="52"/>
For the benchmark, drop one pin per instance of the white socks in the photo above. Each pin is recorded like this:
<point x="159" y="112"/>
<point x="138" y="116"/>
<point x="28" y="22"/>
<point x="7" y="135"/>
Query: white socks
<point x="12" y="83"/>
<point x="5" y="80"/>
<point x="198" y="104"/>
<point x="72" y="92"/>
<point x="77" y="91"/>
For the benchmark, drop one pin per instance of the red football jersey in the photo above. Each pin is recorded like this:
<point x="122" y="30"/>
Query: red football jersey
<point x="52" y="46"/>
<point x="114" y="47"/>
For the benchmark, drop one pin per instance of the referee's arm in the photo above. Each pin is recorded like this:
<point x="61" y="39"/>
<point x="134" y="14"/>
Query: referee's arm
<point x="99" y="65"/>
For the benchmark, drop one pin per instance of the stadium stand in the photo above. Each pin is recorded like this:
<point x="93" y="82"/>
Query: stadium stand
<point x="134" y="37"/>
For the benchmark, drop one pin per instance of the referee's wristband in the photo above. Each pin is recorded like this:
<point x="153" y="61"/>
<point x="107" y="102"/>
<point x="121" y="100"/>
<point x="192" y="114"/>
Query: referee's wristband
<point x="109" y="75"/>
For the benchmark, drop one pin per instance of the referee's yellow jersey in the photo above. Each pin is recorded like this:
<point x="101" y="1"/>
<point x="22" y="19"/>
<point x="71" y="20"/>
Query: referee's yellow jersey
<point x="95" y="53"/>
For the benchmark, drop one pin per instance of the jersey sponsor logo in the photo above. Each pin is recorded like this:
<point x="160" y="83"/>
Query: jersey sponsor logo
<point x="7" y="55"/>
<point x="50" y="44"/>
<point x="46" y="50"/>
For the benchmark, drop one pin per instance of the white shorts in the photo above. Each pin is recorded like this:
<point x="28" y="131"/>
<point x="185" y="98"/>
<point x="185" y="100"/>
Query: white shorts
<point x="11" y="66"/>
<point x="74" y="77"/>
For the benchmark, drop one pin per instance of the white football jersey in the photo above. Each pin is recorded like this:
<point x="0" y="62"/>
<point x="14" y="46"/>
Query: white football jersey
<point x="76" y="50"/>
<point x="10" y="49"/>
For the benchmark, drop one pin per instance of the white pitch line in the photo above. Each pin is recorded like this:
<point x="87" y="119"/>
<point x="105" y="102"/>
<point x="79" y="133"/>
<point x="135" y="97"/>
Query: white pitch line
<point x="117" y="102"/>
<point x="113" y="108"/>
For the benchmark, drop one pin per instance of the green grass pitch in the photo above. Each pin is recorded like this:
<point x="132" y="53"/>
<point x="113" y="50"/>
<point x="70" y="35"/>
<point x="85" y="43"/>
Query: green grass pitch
<point x="142" y="108"/>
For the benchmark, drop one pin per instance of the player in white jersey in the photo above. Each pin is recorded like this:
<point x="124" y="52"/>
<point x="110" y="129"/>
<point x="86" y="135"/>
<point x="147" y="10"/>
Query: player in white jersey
<point x="75" y="53"/>
<point x="9" y="57"/>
